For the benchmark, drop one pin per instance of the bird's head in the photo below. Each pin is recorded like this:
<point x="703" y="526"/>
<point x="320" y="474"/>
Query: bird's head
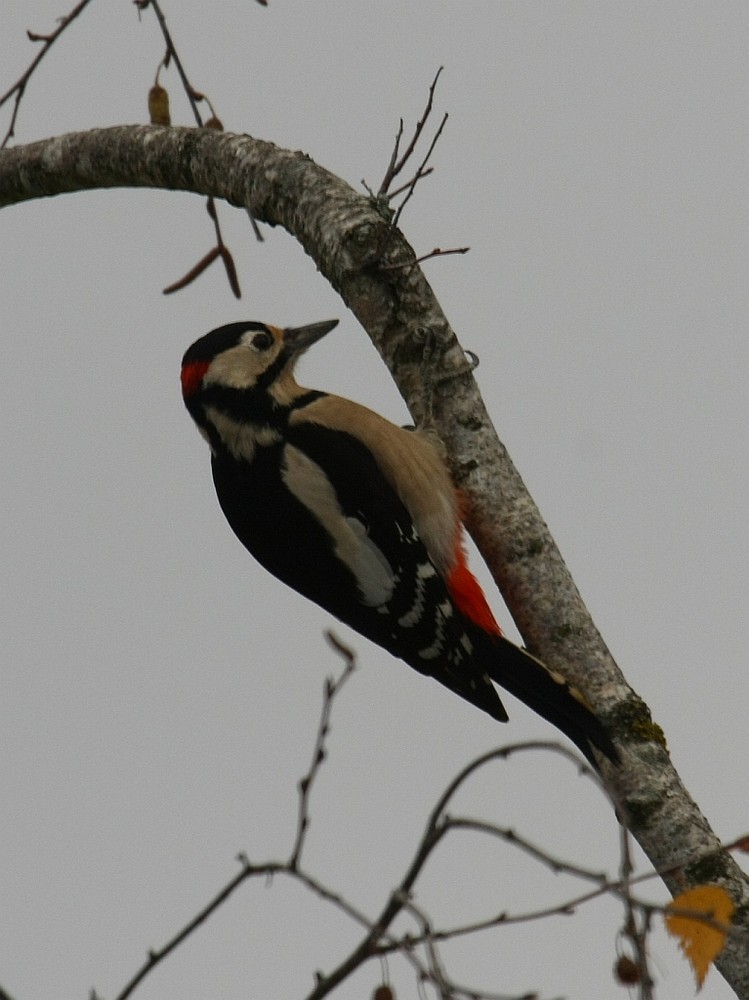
<point x="248" y="356"/>
<point x="238" y="382"/>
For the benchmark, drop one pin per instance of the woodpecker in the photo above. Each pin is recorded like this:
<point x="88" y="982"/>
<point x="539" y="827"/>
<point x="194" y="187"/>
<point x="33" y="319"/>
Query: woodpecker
<point x="361" y="517"/>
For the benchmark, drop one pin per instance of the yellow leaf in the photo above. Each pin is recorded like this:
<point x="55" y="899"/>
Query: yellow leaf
<point x="701" y="942"/>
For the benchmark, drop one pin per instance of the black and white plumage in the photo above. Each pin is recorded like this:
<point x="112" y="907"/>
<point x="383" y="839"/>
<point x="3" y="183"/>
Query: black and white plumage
<point x="361" y="517"/>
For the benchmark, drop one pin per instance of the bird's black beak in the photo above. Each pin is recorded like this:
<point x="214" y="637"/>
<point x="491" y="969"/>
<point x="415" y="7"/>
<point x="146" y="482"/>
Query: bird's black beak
<point x="298" y="338"/>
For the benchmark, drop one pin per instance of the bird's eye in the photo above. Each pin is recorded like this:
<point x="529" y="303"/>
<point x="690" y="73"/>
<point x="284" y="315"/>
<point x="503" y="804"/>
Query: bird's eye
<point x="262" y="341"/>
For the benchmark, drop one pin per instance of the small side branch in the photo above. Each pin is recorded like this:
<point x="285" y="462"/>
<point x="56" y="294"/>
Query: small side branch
<point x="397" y="164"/>
<point x="421" y="172"/>
<point x="19" y="87"/>
<point x="219" y="250"/>
<point x="383" y="198"/>
<point x="194" y="96"/>
<point x="379" y="940"/>
<point x="157" y="956"/>
<point x="174" y="57"/>
<point x="437" y="252"/>
<point x="332" y="687"/>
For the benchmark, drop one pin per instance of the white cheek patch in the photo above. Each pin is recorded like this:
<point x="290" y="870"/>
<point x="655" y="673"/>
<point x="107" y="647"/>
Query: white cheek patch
<point x="238" y="368"/>
<point x="351" y="544"/>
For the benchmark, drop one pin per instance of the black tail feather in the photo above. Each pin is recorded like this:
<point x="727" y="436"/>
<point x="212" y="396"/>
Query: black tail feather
<point x="548" y="694"/>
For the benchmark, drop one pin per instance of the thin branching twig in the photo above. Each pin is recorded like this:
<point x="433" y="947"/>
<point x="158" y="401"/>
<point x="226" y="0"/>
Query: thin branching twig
<point x="396" y="165"/>
<point x="19" y="87"/>
<point x="155" y="956"/>
<point x="558" y="865"/>
<point x="194" y="97"/>
<point x="332" y="687"/>
<point x="271" y="868"/>
<point x="411" y="186"/>
<point x="174" y="57"/>
<point x="435" y="830"/>
<point x="379" y="940"/>
<point x="437" y="252"/>
<point x="383" y="198"/>
<point x="636" y="923"/>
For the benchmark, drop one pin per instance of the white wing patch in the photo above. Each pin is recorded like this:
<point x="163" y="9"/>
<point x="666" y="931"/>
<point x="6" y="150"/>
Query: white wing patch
<point x="444" y="611"/>
<point x="424" y="571"/>
<point x="351" y="543"/>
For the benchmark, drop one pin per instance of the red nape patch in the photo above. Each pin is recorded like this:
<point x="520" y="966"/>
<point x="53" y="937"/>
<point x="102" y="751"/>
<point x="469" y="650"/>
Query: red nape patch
<point x="469" y="597"/>
<point x="191" y="376"/>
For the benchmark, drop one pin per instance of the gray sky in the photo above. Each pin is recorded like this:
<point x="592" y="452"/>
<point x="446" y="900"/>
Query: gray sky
<point x="161" y="693"/>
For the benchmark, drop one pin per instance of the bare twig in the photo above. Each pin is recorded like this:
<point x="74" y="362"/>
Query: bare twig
<point x="403" y="187"/>
<point x="174" y="55"/>
<point x="436" y="972"/>
<point x="435" y="830"/>
<point x="220" y="250"/>
<point x="447" y="988"/>
<point x="156" y="956"/>
<point x="19" y="87"/>
<point x="636" y="924"/>
<point x="511" y="836"/>
<point x="194" y="96"/>
<point x="268" y="869"/>
<point x="437" y="252"/>
<point x="396" y="165"/>
<point x="382" y="200"/>
<point x="379" y="940"/>
<point x="253" y="221"/>
<point x="332" y="687"/>
<point x="567" y="908"/>
<point x="419" y="174"/>
<point x="384" y="196"/>
<point x="391" y="169"/>
<point x="224" y="252"/>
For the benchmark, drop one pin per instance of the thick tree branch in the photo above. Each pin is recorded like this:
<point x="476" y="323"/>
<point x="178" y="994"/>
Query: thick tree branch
<point x="355" y="249"/>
